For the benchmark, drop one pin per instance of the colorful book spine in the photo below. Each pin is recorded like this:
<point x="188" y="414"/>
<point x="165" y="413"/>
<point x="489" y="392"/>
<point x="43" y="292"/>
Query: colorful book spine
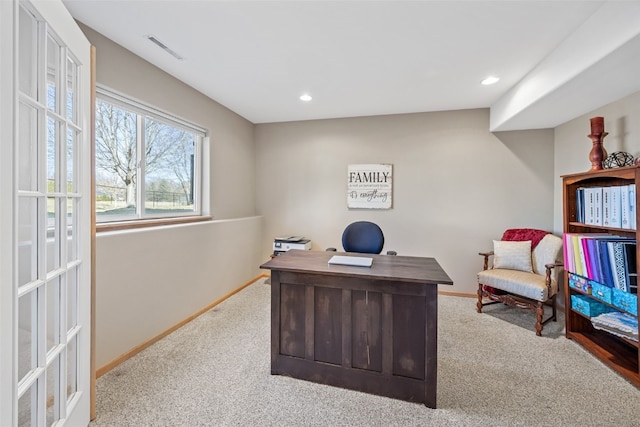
<point x="594" y="257"/>
<point x="630" y="268"/>
<point x="617" y="254"/>
<point x="578" y="256"/>
<point x="607" y="259"/>
<point x="607" y="277"/>
<point x="588" y="271"/>
<point x="567" y="251"/>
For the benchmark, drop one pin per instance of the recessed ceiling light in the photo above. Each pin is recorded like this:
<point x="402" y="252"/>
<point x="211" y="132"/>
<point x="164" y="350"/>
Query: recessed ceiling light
<point x="305" y="97"/>
<point x="490" y="80"/>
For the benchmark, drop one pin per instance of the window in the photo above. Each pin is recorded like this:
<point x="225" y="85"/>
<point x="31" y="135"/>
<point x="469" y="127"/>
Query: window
<point x="147" y="162"/>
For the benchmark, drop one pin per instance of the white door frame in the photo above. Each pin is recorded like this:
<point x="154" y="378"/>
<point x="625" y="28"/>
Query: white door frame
<point x="8" y="375"/>
<point x="60" y="22"/>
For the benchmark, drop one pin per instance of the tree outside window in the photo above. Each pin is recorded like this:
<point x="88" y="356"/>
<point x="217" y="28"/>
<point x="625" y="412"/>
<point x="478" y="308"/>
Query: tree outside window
<point x="146" y="166"/>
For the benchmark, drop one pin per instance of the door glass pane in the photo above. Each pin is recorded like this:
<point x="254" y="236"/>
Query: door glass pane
<point x="53" y="72"/>
<point x="72" y="298"/>
<point x="53" y="313"/>
<point x="72" y="144"/>
<point x="28" y="53"/>
<point x="53" y="391"/>
<point x="27" y="405"/>
<point x="27" y="339"/>
<point x="27" y="240"/>
<point x="53" y="234"/>
<point x="72" y="367"/>
<point x="72" y="85"/>
<point x="53" y="136"/>
<point x="51" y="89"/>
<point x="168" y="168"/>
<point x="72" y="221"/>
<point x="27" y="148"/>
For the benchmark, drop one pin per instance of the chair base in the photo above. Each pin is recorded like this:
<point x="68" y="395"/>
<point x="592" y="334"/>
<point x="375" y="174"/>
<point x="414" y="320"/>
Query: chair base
<point x="513" y="300"/>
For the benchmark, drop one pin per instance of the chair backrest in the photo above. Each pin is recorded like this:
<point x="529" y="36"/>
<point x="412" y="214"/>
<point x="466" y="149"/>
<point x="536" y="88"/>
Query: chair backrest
<point x="364" y="237"/>
<point x="548" y="251"/>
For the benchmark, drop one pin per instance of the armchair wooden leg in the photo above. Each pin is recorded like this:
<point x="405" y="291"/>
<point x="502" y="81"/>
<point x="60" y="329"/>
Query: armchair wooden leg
<point x="479" y="303"/>
<point x="539" y="315"/>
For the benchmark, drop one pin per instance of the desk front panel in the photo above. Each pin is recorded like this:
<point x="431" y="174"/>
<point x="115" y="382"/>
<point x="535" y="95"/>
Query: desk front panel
<point x="370" y="335"/>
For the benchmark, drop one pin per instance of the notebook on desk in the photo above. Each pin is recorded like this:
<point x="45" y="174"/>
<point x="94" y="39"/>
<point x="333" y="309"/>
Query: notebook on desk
<point x="351" y="260"/>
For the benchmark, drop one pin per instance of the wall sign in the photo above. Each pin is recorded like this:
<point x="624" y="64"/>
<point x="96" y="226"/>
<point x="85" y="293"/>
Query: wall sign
<point x="369" y="186"/>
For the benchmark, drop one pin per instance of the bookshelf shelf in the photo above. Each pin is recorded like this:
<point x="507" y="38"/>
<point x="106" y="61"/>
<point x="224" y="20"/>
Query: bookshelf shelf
<point x="596" y="228"/>
<point x="620" y="354"/>
<point x="611" y="351"/>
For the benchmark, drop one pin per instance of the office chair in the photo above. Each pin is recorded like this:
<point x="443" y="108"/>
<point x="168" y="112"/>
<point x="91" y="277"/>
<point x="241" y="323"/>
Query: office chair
<point x="363" y="237"/>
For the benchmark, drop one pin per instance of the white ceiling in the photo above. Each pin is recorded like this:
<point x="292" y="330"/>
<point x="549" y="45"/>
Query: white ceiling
<point x="360" y="58"/>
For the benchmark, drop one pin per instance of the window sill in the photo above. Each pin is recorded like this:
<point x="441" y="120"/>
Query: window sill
<point x="145" y="223"/>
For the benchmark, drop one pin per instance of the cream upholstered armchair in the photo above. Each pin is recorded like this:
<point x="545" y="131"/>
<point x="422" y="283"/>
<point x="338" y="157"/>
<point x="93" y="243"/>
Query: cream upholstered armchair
<point x="523" y="273"/>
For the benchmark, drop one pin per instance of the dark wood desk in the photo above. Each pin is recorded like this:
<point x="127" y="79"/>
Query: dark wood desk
<point x="368" y="329"/>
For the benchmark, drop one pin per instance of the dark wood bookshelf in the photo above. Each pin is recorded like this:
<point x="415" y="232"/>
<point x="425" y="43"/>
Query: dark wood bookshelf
<point x="620" y="354"/>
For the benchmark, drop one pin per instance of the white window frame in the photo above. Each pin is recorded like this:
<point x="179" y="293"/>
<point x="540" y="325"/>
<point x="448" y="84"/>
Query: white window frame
<point x="128" y="103"/>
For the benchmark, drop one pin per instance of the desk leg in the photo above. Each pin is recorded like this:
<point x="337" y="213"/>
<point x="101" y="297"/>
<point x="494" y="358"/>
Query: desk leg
<point x="275" y="320"/>
<point x="431" y="346"/>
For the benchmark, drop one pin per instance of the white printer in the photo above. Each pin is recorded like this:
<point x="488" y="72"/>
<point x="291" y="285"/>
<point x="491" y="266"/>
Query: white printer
<point x="283" y="244"/>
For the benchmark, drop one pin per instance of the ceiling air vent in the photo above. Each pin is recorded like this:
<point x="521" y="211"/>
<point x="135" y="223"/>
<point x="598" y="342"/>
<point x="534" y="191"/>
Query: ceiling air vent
<point x="157" y="42"/>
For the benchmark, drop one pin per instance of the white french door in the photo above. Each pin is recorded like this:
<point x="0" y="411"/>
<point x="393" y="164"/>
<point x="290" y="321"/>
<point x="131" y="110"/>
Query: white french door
<point x="45" y="216"/>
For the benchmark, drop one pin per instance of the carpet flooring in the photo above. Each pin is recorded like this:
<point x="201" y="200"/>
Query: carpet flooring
<point x="492" y="371"/>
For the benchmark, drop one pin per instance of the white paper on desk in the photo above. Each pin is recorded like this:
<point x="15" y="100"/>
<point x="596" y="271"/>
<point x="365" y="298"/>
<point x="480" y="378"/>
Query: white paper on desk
<point x="356" y="261"/>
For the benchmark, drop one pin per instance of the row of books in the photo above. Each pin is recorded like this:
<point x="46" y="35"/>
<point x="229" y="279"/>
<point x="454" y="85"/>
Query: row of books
<point x="606" y="259"/>
<point x="613" y="206"/>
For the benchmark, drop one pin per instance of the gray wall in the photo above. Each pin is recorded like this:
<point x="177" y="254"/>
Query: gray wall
<point x="456" y="185"/>
<point x="148" y="280"/>
<point x="231" y="151"/>
<point x="572" y="146"/>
